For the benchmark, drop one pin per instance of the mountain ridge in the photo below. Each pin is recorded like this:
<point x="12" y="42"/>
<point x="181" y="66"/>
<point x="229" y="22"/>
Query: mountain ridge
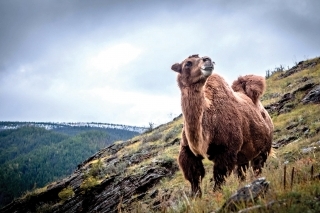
<point x="55" y="125"/>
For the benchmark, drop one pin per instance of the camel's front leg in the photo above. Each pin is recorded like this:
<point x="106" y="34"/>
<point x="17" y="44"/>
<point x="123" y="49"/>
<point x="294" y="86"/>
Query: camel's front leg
<point x="192" y="168"/>
<point x="243" y="165"/>
<point x="223" y="166"/>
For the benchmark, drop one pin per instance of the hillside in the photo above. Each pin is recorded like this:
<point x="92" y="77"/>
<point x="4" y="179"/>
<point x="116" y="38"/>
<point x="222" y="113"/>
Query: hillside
<point x="141" y="174"/>
<point x="31" y="156"/>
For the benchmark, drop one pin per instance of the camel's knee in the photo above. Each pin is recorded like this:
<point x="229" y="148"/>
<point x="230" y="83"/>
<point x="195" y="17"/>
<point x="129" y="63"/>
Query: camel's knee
<point x="192" y="168"/>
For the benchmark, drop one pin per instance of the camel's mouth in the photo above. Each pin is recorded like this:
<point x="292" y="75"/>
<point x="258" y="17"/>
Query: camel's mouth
<point x="207" y="69"/>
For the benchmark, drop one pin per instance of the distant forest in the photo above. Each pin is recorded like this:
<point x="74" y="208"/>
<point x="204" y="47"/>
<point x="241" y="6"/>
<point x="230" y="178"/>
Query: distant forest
<point x="32" y="157"/>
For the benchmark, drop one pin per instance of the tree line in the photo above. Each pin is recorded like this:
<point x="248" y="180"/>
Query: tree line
<point x="33" y="157"/>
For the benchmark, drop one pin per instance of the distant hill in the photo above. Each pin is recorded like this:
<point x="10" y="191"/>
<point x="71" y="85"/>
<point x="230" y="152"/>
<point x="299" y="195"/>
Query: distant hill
<point x="142" y="175"/>
<point x="34" y="154"/>
<point x="64" y="126"/>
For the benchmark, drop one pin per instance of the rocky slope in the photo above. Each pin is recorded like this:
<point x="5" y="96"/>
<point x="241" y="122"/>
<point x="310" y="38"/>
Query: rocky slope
<point x="120" y="173"/>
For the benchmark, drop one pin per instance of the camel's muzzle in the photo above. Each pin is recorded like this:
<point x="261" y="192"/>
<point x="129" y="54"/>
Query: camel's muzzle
<point x="207" y="66"/>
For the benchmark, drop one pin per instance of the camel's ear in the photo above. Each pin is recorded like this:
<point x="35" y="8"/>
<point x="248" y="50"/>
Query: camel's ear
<point x="176" y="67"/>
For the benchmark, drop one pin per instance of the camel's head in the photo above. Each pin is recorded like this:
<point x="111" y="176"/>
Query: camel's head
<point x="193" y="70"/>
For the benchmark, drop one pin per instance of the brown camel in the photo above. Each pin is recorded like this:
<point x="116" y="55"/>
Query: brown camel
<point x="228" y="127"/>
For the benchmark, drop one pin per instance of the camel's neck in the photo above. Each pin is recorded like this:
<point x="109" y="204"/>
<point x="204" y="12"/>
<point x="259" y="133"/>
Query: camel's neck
<point x="192" y="102"/>
<point x="192" y="106"/>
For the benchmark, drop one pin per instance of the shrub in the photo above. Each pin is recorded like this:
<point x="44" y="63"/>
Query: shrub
<point x="96" y="169"/>
<point x="66" y="193"/>
<point x="44" y="208"/>
<point x="153" y="137"/>
<point x="88" y="183"/>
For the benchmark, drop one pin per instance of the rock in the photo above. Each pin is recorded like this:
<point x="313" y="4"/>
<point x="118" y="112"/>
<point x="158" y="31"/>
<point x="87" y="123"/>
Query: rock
<point x="281" y="106"/>
<point x="307" y="150"/>
<point x="283" y="142"/>
<point x="313" y="96"/>
<point x="292" y="125"/>
<point x="286" y="103"/>
<point x="311" y="148"/>
<point x="305" y="87"/>
<point x="246" y="194"/>
<point x="104" y="197"/>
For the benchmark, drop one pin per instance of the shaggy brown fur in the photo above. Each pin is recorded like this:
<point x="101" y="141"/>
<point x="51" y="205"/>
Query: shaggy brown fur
<point x="230" y="128"/>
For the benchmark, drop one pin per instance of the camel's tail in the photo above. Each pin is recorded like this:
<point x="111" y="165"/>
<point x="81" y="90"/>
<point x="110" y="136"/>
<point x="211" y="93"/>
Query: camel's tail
<point x="251" y="85"/>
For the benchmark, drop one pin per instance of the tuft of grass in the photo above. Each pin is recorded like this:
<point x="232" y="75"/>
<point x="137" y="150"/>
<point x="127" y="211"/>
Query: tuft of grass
<point x="88" y="183"/>
<point x="66" y="193"/>
<point x="29" y="194"/>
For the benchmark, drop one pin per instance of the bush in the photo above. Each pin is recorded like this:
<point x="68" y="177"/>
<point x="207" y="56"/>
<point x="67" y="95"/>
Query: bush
<point x="153" y="137"/>
<point x="66" y="193"/>
<point x="88" y="183"/>
<point x="96" y="169"/>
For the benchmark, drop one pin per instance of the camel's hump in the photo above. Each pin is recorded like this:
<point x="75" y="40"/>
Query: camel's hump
<point x="251" y="85"/>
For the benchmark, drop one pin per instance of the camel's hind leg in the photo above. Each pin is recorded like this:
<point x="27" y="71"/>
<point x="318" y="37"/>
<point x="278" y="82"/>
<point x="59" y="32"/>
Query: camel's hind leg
<point x="258" y="162"/>
<point x="192" y="168"/>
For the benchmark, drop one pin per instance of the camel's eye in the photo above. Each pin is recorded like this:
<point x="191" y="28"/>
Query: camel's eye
<point x="188" y="64"/>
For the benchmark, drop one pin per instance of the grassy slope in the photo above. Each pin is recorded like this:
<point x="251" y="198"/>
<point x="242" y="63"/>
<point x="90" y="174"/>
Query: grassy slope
<point x="171" y="194"/>
<point x="304" y="194"/>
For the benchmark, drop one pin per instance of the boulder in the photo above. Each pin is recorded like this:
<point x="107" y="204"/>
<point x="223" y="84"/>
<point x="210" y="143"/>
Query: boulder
<point x="313" y="96"/>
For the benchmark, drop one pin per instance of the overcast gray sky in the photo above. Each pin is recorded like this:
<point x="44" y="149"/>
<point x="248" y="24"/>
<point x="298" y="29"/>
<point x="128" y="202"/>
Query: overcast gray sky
<point x="109" y="61"/>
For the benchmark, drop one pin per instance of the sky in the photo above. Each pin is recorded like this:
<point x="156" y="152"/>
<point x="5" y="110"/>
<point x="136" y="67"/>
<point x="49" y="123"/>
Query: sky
<point x="110" y="61"/>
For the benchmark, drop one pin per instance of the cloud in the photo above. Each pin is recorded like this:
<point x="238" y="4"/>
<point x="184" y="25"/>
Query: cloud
<point x="109" y="61"/>
<point x="112" y="58"/>
<point x="135" y="107"/>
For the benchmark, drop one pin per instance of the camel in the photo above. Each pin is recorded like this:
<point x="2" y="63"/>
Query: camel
<point x="228" y="126"/>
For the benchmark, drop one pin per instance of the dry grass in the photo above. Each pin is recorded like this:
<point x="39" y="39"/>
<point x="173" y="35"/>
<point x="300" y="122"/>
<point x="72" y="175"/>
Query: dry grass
<point x="274" y="173"/>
